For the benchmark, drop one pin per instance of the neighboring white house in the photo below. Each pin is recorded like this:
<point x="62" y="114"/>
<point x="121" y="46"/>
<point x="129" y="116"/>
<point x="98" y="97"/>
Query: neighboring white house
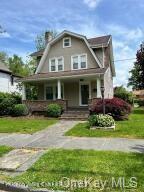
<point x="7" y="80"/>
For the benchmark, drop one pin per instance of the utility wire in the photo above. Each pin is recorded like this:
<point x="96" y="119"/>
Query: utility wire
<point x="124" y="59"/>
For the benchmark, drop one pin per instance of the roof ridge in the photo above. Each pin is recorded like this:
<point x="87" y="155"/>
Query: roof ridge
<point x="100" y="36"/>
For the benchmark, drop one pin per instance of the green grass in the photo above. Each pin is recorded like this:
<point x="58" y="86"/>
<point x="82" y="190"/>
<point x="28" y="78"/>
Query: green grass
<point x="24" y="125"/>
<point x="132" y="128"/>
<point x="4" y="149"/>
<point x="81" y="164"/>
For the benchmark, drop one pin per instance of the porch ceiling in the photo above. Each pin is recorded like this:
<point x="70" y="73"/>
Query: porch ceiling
<point x="85" y="73"/>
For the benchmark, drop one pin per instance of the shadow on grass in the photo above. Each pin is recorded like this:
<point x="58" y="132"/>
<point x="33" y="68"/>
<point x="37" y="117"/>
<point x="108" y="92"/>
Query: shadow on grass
<point x="138" y="111"/>
<point x="139" y="148"/>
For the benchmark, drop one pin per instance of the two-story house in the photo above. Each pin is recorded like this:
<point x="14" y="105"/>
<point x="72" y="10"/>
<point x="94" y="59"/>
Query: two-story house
<point x="71" y="70"/>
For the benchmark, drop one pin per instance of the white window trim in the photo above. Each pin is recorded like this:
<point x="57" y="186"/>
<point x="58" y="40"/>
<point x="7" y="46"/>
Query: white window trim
<point x="69" y="42"/>
<point x="79" y="61"/>
<point x="56" y="63"/>
<point x="53" y="85"/>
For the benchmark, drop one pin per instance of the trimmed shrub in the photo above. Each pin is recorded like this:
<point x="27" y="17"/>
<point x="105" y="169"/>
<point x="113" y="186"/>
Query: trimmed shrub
<point x="101" y="120"/>
<point x="7" y="102"/>
<point x="53" y="110"/>
<point x="15" y="96"/>
<point x="3" y="96"/>
<point x="20" y="110"/>
<point x="117" y="108"/>
<point x="140" y="102"/>
<point x="6" y="106"/>
<point x="122" y="93"/>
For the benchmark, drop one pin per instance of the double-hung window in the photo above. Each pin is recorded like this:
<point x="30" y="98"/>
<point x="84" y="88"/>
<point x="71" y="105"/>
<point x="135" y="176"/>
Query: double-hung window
<point x="75" y="62"/>
<point x="79" y="61"/>
<point x="83" y="61"/>
<point x="51" y="92"/>
<point x="56" y="64"/>
<point x="66" y="42"/>
<point x="53" y="65"/>
<point x="60" y="64"/>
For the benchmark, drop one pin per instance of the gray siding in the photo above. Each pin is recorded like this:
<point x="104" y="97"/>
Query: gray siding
<point x="108" y="83"/>
<point x="78" y="47"/>
<point x="71" y="92"/>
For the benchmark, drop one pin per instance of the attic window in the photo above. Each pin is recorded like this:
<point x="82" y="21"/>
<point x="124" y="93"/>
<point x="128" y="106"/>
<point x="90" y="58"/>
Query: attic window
<point x="66" y="42"/>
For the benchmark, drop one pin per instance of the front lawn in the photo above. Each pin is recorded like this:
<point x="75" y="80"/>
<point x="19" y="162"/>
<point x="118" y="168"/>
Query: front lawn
<point x="24" y="125"/>
<point x="72" y="166"/>
<point x="4" y="150"/>
<point x="132" y="128"/>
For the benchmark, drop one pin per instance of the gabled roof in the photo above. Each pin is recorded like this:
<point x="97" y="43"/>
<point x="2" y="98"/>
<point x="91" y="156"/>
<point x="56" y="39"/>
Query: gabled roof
<point x="4" y="68"/>
<point x="95" y="41"/>
<point x="99" y="41"/>
<point x="38" y="53"/>
<point x="59" y="37"/>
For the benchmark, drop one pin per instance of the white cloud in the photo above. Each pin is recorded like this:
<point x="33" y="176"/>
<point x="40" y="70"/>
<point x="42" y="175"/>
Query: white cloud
<point x="5" y="35"/>
<point x="92" y="3"/>
<point x="123" y="51"/>
<point x="126" y="33"/>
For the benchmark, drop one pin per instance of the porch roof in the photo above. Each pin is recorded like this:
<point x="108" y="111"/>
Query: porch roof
<point x="64" y="74"/>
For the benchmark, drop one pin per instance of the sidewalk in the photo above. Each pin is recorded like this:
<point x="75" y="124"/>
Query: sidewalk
<point x="53" y="137"/>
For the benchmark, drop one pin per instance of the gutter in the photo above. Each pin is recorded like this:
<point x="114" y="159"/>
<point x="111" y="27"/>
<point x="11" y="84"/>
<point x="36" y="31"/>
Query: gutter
<point x="61" y="77"/>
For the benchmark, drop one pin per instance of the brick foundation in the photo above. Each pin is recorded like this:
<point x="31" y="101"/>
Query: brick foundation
<point x="41" y="105"/>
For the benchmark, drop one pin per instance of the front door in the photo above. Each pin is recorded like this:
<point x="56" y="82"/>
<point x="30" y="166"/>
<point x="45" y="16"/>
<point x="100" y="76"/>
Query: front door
<point x="84" y="94"/>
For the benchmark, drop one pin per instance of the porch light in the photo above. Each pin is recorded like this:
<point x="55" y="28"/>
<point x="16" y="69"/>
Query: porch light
<point x="103" y="100"/>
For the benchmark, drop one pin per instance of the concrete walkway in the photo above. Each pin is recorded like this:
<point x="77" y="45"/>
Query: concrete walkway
<point x="53" y="137"/>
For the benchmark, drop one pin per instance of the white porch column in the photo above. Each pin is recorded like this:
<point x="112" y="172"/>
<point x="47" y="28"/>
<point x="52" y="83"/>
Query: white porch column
<point x="23" y="92"/>
<point x="99" y="95"/>
<point x="59" y="89"/>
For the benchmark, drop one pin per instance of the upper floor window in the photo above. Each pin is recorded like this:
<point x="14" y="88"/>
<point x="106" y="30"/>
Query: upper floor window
<point x="56" y="64"/>
<point x="66" y="42"/>
<point x="83" y="61"/>
<point x="79" y="62"/>
<point x="75" y="62"/>
<point x="60" y="64"/>
<point x="53" y="65"/>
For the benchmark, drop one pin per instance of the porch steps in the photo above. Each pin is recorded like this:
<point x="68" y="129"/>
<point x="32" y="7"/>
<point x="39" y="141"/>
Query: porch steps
<point x="75" y="115"/>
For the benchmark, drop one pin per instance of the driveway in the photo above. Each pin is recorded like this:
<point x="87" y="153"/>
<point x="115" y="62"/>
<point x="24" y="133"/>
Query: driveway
<point x="53" y="137"/>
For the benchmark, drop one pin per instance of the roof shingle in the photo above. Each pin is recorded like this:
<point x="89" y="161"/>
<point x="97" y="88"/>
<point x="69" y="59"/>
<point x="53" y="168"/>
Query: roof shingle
<point x="99" y="40"/>
<point x="55" y="75"/>
<point x="4" y="68"/>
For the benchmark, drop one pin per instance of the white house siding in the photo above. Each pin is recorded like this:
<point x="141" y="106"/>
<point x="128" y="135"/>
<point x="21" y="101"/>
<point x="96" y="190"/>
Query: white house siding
<point x="5" y="84"/>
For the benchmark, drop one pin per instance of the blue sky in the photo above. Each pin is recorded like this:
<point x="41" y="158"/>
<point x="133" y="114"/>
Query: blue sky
<point x="23" y="20"/>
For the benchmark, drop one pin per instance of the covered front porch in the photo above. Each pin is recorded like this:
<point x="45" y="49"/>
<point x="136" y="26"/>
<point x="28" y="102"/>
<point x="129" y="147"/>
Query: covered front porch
<point x="70" y="93"/>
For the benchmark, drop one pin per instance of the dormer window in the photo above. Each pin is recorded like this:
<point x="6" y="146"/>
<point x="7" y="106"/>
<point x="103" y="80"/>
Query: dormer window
<point x="66" y="42"/>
